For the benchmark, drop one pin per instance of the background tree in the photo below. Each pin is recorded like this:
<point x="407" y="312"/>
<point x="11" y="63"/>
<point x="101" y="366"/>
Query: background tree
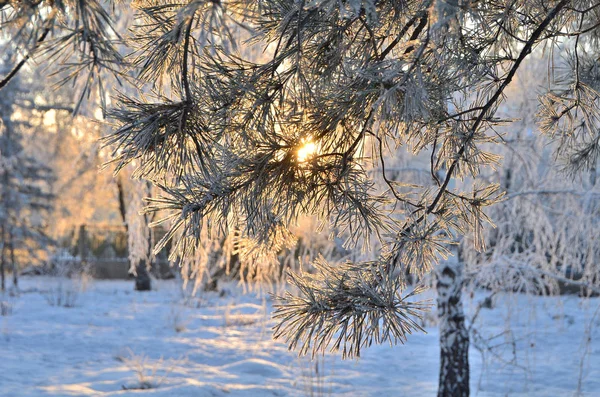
<point x="24" y="188"/>
<point x="76" y="38"/>
<point x="140" y="237"/>
<point x="544" y="238"/>
<point x="79" y="43"/>
<point x="544" y="242"/>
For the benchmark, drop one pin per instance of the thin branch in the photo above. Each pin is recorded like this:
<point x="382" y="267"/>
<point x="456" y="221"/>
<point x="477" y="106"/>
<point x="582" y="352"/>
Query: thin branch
<point x="492" y="101"/>
<point x="23" y="61"/>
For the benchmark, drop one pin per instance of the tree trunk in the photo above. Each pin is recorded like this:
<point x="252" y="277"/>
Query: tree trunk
<point x="143" y="282"/>
<point x="82" y="244"/>
<point x="3" y="276"/>
<point x="15" y="271"/>
<point x="454" y="337"/>
<point x="142" y="277"/>
<point x="121" y="197"/>
<point x="2" y="259"/>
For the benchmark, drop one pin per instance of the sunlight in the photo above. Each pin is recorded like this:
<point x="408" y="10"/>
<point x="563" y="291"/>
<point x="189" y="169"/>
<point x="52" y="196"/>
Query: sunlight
<point x="307" y="151"/>
<point x="77" y="133"/>
<point x="49" y="118"/>
<point x="99" y="114"/>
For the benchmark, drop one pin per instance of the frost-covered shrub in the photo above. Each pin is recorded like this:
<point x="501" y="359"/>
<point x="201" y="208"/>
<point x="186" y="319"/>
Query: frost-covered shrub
<point x="6" y="308"/>
<point x="177" y="319"/>
<point x="149" y="374"/>
<point x="313" y="376"/>
<point x="64" y="294"/>
<point x="71" y="279"/>
<point x="63" y="264"/>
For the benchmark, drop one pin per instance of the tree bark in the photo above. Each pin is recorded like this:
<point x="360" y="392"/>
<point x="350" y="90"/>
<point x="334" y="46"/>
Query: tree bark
<point x="142" y="277"/>
<point x="121" y="197"/>
<point x="2" y="274"/>
<point x="15" y="270"/>
<point x="454" y="336"/>
<point x="3" y="286"/>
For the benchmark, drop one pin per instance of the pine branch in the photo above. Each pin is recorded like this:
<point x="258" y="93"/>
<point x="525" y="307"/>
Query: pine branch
<point x="23" y="61"/>
<point x="525" y="51"/>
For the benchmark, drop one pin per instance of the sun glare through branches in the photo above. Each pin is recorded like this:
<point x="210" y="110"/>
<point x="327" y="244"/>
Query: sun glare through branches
<point x="307" y="151"/>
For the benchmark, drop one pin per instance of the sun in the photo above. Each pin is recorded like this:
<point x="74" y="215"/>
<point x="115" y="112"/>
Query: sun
<point x="307" y="151"/>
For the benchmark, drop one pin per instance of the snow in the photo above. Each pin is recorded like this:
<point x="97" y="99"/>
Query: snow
<point x="115" y="340"/>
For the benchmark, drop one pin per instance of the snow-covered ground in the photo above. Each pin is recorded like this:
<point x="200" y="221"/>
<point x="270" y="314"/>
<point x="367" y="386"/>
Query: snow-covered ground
<point x="114" y="340"/>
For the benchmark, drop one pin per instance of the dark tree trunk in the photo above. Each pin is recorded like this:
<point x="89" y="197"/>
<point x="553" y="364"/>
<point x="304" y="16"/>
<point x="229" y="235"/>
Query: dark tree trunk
<point x="121" y="197"/>
<point x="15" y="270"/>
<point x="142" y="277"/>
<point x="2" y="260"/>
<point x="454" y="336"/>
<point x="82" y="244"/>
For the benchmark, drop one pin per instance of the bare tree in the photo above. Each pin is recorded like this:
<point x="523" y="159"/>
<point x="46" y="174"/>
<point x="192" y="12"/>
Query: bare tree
<point x="25" y="195"/>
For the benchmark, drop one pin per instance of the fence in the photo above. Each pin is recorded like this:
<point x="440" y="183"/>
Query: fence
<point x="103" y="249"/>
